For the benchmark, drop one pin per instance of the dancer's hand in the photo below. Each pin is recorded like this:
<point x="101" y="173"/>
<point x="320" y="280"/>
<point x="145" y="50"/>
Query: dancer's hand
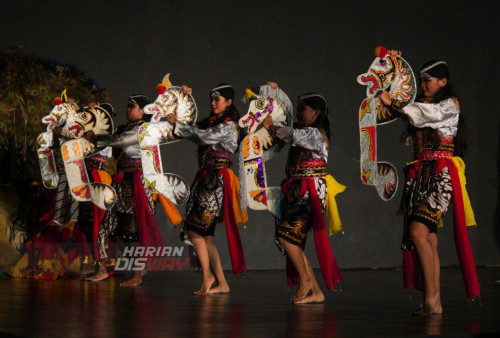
<point x="394" y="52"/>
<point x="385" y="97"/>
<point x="186" y="89"/>
<point x="268" y="121"/>
<point x="274" y="85"/>
<point x="172" y="118"/>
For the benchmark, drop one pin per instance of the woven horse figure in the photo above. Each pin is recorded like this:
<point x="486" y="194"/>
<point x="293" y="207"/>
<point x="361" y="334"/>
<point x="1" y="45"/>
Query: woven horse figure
<point x="258" y="146"/>
<point x="45" y="141"/>
<point x="99" y="120"/>
<point x="171" y="100"/>
<point x="395" y="75"/>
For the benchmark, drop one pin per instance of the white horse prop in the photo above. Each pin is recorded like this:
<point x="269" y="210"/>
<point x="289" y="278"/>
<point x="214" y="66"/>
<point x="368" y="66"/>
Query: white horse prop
<point x="45" y="141"/>
<point x="258" y="147"/>
<point x="74" y="151"/>
<point x="171" y="100"/>
<point x="395" y="75"/>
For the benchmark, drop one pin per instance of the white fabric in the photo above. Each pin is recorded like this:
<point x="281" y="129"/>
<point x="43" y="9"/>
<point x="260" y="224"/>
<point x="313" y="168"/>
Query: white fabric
<point x="442" y="116"/>
<point x="129" y="143"/>
<point x="308" y="138"/>
<point x="223" y="136"/>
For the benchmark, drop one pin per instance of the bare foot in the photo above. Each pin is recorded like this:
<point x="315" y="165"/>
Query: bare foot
<point x="221" y="288"/>
<point x="136" y="279"/>
<point x="205" y="287"/>
<point x="429" y="310"/>
<point x="100" y="274"/>
<point x="313" y="298"/>
<point x="305" y="288"/>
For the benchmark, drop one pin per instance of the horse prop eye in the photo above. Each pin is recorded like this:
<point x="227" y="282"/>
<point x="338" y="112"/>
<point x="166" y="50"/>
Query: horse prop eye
<point x="260" y="104"/>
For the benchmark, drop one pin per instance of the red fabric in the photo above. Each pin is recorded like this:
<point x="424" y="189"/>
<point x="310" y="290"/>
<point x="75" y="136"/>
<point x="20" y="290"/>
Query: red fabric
<point x="149" y="235"/>
<point x="462" y="242"/>
<point x="324" y="253"/>
<point x="232" y="233"/>
<point x="97" y="217"/>
<point x="412" y="274"/>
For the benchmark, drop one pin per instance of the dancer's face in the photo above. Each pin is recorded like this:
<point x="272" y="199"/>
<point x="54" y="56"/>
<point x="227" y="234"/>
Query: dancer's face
<point x="430" y="86"/>
<point x="219" y="104"/>
<point x="134" y="112"/>
<point x="307" y="115"/>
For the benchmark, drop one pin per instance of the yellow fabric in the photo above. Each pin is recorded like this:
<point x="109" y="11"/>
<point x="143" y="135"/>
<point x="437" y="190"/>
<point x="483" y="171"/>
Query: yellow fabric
<point x="241" y="216"/>
<point x="469" y="213"/>
<point x="170" y="209"/>
<point x="105" y="177"/>
<point x="332" y="213"/>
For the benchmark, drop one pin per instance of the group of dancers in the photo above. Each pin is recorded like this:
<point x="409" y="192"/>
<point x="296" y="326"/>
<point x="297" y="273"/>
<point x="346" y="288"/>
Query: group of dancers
<point x="435" y="133"/>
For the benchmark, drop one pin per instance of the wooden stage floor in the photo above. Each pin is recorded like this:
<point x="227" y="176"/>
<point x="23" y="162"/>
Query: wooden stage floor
<point x="372" y="304"/>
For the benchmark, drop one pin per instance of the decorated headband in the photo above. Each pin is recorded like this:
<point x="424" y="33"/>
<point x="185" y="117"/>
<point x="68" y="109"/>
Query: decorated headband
<point x="224" y="90"/>
<point x="431" y="66"/>
<point x="308" y="96"/>
<point x="140" y="100"/>
<point x="313" y="100"/>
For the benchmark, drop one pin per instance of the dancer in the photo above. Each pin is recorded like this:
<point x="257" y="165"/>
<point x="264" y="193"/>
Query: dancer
<point x="436" y="133"/>
<point x="307" y="190"/>
<point x="132" y="218"/>
<point x="215" y="191"/>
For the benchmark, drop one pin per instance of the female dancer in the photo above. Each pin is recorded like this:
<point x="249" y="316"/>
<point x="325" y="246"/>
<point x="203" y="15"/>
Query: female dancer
<point x="215" y="191"/>
<point x="436" y="134"/>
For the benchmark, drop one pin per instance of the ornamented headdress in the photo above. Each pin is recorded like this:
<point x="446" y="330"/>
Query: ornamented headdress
<point x="435" y="68"/>
<point x="140" y="100"/>
<point x="223" y="89"/>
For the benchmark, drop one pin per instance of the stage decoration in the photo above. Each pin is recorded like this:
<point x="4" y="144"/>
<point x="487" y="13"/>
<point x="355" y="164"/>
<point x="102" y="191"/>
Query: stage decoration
<point x="395" y="75"/>
<point x="28" y="85"/>
<point x="171" y="100"/>
<point x="258" y="146"/>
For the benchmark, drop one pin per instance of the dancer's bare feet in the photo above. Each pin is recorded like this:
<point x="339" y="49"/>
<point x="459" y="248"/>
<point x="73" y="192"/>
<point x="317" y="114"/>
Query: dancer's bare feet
<point x="315" y="297"/>
<point x="220" y="288"/>
<point x="99" y="275"/>
<point x="206" y="285"/>
<point x="135" y="280"/>
<point x="430" y="309"/>
<point x="305" y="288"/>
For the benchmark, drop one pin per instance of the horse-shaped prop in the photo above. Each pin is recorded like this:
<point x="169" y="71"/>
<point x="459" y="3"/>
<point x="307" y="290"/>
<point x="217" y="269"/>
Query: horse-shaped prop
<point x="45" y="141"/>
<point x="99" y="120"/>
<point x="171" y="100"/>
<point x="395" y="75"/>
<point x="258" y="147"/>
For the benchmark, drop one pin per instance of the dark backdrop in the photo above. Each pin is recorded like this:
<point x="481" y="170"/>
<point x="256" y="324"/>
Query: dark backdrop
<point x="127" y="47"/>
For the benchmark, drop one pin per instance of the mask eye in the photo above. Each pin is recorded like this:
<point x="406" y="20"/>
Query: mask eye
<point x="382" y="62"/>
<point x="260" y="104"/>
